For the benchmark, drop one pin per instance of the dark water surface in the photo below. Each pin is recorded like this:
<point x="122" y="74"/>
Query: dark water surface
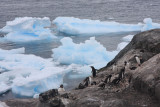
<point x="126" y="11"/>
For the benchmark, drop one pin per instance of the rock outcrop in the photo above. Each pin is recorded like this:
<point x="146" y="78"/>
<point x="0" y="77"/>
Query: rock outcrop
<point x="139" y="87"/>
<point x="148" y="41"/>
<point x="147" y="77"/>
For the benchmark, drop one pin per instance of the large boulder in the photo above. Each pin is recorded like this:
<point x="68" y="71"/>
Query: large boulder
<point x="146" y="78"/>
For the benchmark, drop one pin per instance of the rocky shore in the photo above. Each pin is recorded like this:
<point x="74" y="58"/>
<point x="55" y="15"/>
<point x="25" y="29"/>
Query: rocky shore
<point x="140" y="86"/>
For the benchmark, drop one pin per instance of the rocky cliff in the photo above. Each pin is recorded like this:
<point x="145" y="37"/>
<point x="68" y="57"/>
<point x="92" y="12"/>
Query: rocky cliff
<point x="139" y="87"/>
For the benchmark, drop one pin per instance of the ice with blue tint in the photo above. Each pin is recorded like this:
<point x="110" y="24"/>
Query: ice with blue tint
<point x="13" y="51"/>
<point x="4" y="88"/>
<point x="76" y="26"/>
<point x="121" y="45"/>
<point x="27" y="75"/>
<point x="24" y="29"/>
<point x="83" y="70"/>
<point x="149" y="24"/>
<point x="128" y="38"/>
<point x="79" y="57"/>
<point x="27" y="28"/>
<point x="86" y="53"/>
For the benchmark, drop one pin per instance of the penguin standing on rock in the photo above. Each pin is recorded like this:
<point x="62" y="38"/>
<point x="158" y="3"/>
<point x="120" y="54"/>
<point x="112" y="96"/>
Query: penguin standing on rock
<point x="93" y="71"/>
<point x="137" y="60"/>
<point x="114" y="68"/>
<point x="108" y="78"/>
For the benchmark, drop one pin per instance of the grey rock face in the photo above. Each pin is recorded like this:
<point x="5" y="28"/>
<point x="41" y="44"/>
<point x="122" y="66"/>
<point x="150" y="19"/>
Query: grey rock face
<point x="148" y="41"/>
<point x="147" y="77"/>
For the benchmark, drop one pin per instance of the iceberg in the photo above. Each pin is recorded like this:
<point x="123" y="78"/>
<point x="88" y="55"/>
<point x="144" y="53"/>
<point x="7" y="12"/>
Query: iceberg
<point x="4" y="88"/>
<point x="13" y="51"/>
<point x="27" y="75"/>
<point x="24" y="29"/>
<point x="76" y="26"/>
<point x="86" y="53"/>
<point x="79" y="57"/>
<point x="149" y="25"/>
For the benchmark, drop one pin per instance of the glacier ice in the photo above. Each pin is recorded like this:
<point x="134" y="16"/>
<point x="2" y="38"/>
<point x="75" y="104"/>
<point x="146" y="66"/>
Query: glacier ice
<point x="86" y="53"/>
<point x="76" y="26"/>
<point x="27" y="28"/>
<point x="27" y="75"/>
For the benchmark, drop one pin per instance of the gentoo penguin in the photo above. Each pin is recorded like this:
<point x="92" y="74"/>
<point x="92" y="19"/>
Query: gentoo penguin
<point x="114" y="68"/>
<point x="61" y="89"/>
<point x="87" y="81"/>
<point x="108" y="77"/>
<point x="93" y="71"/>
<point x="127" y="65"/>
<point x="138" y="60"/>
<point x="90" y="80"/>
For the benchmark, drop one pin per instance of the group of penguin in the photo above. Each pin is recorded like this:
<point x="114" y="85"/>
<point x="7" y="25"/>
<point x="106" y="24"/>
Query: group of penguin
<point x="121" y="74"/>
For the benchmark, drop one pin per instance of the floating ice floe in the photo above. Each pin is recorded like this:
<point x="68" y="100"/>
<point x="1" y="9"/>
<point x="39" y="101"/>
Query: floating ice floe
<point x="86" y="53"/>
<point x="79" y="57"/>
<point x="148" y="24"/>
<point x="27" y="75"/>
<point x="4" y="88"/>
<point x="27" y="29"/>
<point x="75" y="26"/>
